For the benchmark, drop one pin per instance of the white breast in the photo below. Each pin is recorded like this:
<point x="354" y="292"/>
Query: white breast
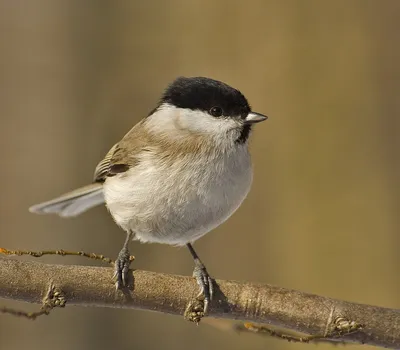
<point x="179" y="202"/>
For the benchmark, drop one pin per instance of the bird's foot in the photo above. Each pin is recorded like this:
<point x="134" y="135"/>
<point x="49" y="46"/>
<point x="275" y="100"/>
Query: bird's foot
<point x="121" y="269"/>
<point x="198" y="308"/>
<point x="205" y="283"/>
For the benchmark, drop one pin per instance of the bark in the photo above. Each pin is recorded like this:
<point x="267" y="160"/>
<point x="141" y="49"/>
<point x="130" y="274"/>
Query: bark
<point x="261" y="303"/>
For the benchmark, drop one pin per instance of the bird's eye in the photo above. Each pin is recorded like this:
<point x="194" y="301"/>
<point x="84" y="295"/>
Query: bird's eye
<point x="216" y="111"/>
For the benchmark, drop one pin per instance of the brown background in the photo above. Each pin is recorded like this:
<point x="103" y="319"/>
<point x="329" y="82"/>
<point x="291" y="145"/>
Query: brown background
<point x="323" y="213"/>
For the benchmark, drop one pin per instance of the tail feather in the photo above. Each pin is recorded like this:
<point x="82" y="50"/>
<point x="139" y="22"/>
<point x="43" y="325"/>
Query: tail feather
<point x="72" y="203"/>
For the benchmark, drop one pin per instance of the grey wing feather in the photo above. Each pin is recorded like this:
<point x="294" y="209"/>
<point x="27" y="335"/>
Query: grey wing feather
<point x="76" y="202"/>
<point x="72" y="203"/>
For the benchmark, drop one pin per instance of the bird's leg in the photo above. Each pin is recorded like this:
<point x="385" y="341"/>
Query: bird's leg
<point x="203" y="279"/>
<point x="122" y="263"/>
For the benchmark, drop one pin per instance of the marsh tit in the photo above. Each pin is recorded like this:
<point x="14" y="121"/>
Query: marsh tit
<point x="176" y="175"/>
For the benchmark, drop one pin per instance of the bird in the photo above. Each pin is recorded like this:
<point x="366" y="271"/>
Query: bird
<point x="179" y="173"/>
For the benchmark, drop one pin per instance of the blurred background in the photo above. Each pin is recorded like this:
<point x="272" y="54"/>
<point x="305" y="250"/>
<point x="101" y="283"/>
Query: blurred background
<point x="323" y="213"/>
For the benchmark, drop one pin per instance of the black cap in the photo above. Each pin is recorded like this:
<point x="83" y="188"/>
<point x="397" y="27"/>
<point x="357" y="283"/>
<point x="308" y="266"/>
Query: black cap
<point x="199" y="93"/>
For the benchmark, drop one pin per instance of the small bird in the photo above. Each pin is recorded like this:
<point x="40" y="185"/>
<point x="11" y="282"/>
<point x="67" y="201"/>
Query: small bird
<point x="176" y="175"/>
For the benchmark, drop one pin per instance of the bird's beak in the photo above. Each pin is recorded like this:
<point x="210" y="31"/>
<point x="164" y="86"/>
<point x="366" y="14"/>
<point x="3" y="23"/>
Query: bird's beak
<point x="254" y="117"/>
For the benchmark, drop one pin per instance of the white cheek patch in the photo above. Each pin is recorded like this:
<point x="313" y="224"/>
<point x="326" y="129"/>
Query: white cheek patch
<point x="178" y="120"/>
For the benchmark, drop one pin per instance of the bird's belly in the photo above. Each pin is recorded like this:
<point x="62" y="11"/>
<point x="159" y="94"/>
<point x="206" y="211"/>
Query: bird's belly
<point x="174" y="208"/>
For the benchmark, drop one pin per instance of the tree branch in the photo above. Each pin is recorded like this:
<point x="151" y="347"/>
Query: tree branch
<point x="262" y="303"/>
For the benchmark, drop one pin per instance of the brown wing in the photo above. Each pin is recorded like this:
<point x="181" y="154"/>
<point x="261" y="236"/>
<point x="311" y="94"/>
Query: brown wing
<point x="121" y="156"/>
<point x="103" y="168"/>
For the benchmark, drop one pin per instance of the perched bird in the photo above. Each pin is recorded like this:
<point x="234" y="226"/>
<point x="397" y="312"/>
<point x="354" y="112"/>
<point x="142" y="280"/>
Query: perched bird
<point x="176" y="175"/>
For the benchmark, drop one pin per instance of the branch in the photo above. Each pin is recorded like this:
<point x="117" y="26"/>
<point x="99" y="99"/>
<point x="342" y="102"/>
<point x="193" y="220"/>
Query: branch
<point x="262" y="303"/>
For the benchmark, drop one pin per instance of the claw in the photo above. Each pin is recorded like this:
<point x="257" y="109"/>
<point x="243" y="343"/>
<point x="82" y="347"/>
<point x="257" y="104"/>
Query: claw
<point x="205" y="306"/>
<point x="125" y="271"/>
<point x="211" y="284"/>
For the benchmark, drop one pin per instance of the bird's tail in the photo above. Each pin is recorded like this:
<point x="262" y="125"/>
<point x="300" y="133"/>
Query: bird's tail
<point x="72" y="203"/>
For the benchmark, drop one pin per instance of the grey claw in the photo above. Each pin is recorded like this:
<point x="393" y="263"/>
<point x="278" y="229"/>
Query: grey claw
<point x="125" y="271"/>
<point x="211" y="287"/>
